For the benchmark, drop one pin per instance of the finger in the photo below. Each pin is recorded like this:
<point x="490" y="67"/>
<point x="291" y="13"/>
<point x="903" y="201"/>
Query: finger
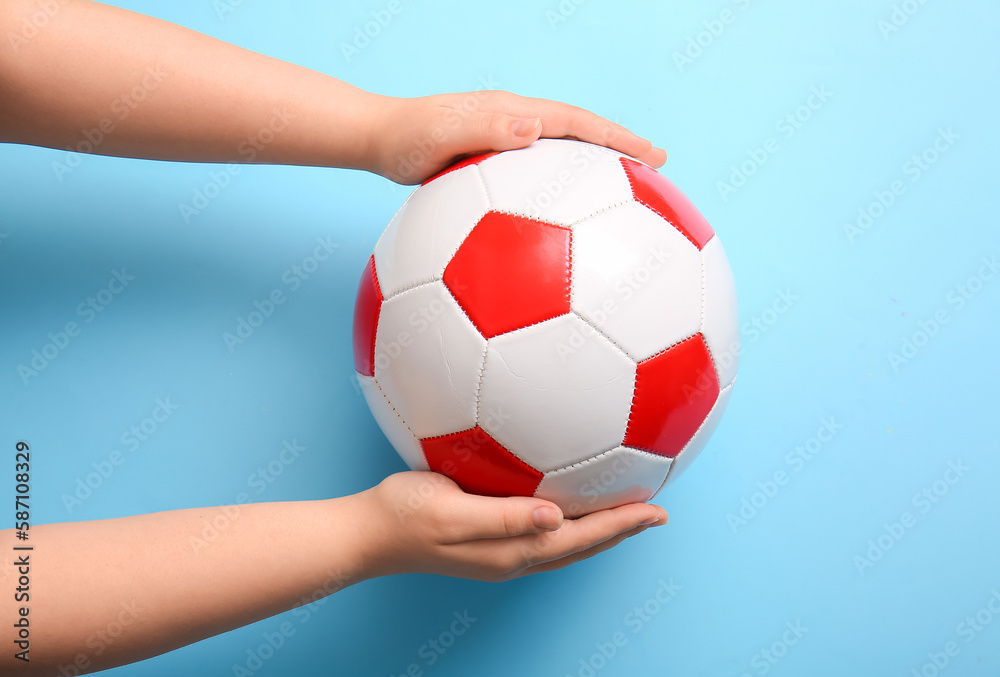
<point x="656" y="157"/>
<point x="582" y="534"/>
<point x="491" y="130"/>
<point x="475" y="518"/>
<point x="583" y="554"/>
<point x="560" y="120"/>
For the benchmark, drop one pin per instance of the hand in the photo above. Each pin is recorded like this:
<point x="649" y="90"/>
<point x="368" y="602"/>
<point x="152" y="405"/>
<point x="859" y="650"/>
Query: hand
<point x="423" y="522"/>
<point x="413" y="139"/>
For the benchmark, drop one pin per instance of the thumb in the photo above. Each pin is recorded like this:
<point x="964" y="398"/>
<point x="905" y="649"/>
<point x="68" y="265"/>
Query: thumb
<point x="495" y="131"/>
<point x="528" y="516"/>
<point x="546" y="517"/>
<point x="493" y="517"/>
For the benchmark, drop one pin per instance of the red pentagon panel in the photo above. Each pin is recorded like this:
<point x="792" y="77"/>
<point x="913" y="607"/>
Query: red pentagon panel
<point x="474" y="160"/>
<point x="674" y="392"/>
<point x="480" y="464"/>
<point x="366" y="309"/>
<point x="658" y="193"/>
<point x="510" y="272"/>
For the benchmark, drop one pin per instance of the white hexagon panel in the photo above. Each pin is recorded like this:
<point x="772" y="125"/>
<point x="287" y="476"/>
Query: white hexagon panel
<point x="399" y="436"/>
<point x="425" y="232"/>
<point x="557" y="321"/>
<point x="428" y="357"/>
<point x="607" y="480"/>
<point x="566" y="390"/>
<point x="721" y="324"/>
<point x="637" y="279"/>
<point x="555" y="181"/>
<point x="697" y="443"/>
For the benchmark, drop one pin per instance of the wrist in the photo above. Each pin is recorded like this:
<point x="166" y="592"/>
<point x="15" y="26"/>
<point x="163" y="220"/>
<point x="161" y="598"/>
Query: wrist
<point x="342" y="558"/>
<point x="373" y="536"/>
<point x="339" y="126"/>
<point x="384" y="118"/>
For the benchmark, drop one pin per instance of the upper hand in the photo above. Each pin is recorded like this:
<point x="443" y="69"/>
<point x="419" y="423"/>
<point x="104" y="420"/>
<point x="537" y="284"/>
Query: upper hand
<point x="413" y="139"/>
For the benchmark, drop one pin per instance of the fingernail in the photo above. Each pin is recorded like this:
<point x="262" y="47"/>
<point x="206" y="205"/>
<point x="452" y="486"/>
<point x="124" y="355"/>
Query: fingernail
<point x="655" y="520"/>
<point x="545" y="517"/>
<point x="524" y="128"/>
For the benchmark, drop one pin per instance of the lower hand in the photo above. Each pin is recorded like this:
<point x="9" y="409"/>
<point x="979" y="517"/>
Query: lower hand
<point x="423" y="522"/>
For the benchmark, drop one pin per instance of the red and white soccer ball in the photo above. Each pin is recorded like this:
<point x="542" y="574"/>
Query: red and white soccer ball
<point x="557" y="321"/>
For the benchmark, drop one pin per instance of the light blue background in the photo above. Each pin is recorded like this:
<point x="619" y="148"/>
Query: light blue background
<point x="826" y="356"/>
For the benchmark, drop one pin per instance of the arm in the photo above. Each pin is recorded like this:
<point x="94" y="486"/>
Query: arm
<point x="170" y="579"/>
<point x="155" y="90"/>
<point x="169" y="93"/>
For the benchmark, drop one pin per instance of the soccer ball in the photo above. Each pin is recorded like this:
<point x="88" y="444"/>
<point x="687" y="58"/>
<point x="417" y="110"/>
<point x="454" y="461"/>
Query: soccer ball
<point x="557" y="321"/>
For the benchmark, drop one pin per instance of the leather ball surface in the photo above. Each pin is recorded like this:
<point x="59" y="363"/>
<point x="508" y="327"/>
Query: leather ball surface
<point x="557" y="321"/>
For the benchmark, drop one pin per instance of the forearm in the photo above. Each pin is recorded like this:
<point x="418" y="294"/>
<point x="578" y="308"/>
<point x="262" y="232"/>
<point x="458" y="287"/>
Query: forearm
<point x="172" y="578"/>
<point x="156" y="90"/>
